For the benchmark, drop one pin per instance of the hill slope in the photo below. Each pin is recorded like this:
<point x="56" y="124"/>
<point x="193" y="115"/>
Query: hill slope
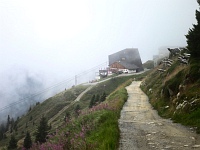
<point x="175" y="92"/>
<point x="56" y="108"/>
<point x="50" y="107"/>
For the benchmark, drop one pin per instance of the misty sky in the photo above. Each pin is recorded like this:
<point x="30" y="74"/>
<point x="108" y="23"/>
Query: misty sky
<point x="54" y="40"/>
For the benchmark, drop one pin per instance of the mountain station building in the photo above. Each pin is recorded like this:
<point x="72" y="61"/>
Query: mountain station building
<point x="127" y="60"/>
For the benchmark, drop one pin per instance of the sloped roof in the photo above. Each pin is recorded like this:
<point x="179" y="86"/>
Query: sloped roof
<point x="129" y="58"/>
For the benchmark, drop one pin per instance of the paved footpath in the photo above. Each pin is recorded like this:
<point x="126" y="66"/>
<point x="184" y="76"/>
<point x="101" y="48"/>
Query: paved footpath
<point x="142" y="129"/>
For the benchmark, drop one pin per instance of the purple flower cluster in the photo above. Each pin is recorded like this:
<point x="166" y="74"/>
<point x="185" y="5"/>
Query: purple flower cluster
<point x="61" y="140"/>
<point x="101" y="106"/>
<point x="73" y="134"/>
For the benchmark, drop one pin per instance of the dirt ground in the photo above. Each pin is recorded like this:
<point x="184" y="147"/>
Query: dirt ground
<point x="142" y="129"/>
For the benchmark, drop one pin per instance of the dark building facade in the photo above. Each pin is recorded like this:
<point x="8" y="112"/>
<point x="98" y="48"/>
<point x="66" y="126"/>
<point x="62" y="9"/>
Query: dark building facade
<point x="126" y="59"/>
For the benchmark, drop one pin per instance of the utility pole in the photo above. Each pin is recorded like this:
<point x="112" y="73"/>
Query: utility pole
<point x="75" y="80"/>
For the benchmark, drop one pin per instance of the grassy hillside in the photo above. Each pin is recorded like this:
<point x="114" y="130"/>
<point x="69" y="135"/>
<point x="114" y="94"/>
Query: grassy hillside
<point x="148" y="65"/>
<point x="96" y="123"/>
<point x="175" y="93"/>
<point x="48" y="108"/>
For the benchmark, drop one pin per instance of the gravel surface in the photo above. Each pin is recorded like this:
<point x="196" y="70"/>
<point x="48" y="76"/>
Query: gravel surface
<point x="142" y="129"/>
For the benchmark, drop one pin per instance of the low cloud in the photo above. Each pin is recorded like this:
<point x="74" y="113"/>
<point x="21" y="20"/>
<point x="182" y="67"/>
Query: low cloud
<point x="17" y="91"/>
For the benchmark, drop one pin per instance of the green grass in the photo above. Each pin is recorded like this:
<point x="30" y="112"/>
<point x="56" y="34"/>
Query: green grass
<point x="189" y="76"/>
<point x="173" y="67"/>
<point x="48" y="108"/>
<point x="103" y="123"/>
<point x="103" y="130"/>
<point x="191" y="119"/>
<point x="107" y="134"/>
<point x="195" y="72"/>
<point x="173" y="84"/>
<point x="107" y="87"/>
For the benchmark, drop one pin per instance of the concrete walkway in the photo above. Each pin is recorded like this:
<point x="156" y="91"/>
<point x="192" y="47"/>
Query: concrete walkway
<point x="142" y="129"/>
